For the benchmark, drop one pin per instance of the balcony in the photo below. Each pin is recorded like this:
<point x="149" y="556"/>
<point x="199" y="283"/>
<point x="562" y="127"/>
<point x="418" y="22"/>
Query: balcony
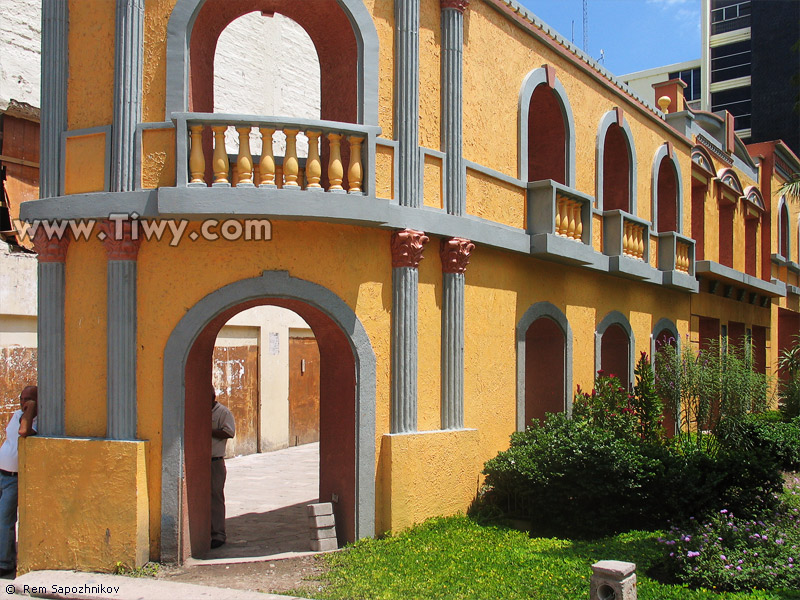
<point x="676" y="260"/>
<point x="626" y="242"/>
<point x="560" y="223"/>
<point x="340" y="160"/>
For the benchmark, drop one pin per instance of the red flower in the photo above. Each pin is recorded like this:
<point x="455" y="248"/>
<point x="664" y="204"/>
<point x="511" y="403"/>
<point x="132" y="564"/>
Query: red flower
<point x="600" y="373"/>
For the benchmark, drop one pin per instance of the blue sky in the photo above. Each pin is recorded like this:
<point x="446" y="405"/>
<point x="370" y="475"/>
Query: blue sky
<point x="634" y="34"/>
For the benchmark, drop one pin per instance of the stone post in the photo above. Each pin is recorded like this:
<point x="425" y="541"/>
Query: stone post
<point x="121" y="251"/>
<point x="613" y="580"/>
<point x="407" y="247"/>
<point x="454" y="253"/>
<point x="52" y="254"/>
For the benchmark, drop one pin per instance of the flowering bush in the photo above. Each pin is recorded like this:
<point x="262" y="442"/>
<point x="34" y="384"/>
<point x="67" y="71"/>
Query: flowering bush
<point x="732" y="554"/>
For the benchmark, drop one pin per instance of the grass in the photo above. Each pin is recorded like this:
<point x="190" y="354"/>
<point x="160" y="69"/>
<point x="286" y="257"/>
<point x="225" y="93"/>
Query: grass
<point x="456" y="558"/>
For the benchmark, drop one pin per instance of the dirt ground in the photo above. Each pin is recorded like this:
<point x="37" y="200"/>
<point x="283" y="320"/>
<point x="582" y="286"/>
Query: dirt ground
<point x="296" y="576"/>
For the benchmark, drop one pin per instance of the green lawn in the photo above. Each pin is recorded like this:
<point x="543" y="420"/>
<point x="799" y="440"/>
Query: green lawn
<point x="453" y="558"/>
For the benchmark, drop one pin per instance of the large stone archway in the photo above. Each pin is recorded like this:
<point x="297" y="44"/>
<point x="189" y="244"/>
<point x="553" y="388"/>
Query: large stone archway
<point x="336" y="327"/>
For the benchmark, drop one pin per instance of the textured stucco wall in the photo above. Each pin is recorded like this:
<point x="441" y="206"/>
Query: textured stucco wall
<point x="20" y="54"/>
<point x="83" y="504"/>
<point x="17" y="282"/>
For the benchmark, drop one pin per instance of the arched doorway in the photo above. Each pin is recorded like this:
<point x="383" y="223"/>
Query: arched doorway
<point x="547" y="138"/>
<point x="665" y="334"/>
<point x="347" y="408"/>
<point x="614" y="346"/>
<point x="616" y="170"/>
<point x="667" y="194"/>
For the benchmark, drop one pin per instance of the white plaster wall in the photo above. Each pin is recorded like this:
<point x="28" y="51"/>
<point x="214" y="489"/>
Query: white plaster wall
<point x="272" y="325"/>
<point x="20" y="68"/>
<point x="17" y="282"/>
<point x="266" y="65"/>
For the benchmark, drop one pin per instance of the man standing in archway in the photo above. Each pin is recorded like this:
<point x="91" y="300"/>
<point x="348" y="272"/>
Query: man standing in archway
<point x="222" y="429"/>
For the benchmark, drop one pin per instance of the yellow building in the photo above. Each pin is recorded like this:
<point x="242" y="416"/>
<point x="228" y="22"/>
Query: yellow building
<point x="483" y="219"/>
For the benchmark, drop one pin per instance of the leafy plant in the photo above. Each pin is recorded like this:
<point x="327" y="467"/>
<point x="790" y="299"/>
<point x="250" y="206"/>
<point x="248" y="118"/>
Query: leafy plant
<point x="647" y="405"/>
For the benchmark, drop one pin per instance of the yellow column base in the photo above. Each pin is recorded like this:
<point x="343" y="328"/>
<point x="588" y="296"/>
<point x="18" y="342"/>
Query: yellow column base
<point x="427" y="474"/>
<point x="82" y="504"/>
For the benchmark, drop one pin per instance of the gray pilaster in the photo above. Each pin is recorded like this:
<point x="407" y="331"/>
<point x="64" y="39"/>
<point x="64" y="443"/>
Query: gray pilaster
<point x="55" y="26"/>
<point x="455" y="185"/>
<point x="50" y="327"/>
<point x="453" y="351"/>
<point x="405" y="284"/>
<point x="407" y="101"/>
<point x="127" y="93"/>
<point x="121" y="394"/>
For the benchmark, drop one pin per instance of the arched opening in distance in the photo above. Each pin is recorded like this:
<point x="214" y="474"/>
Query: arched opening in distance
<point x="615" y="353"/>
<point x="616" y="170"/>
<point x="667" y="183"/>
<point x="547" y="137"/>
<point x="783" y="231"/>
<point x="545" y="369"/>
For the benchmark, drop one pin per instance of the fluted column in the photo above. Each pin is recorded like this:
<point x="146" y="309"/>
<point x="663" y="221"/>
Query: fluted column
<point x="52" y="255"/>
<point x="407" y="247"/>
<point x="407" y="101"/>
<point x="127" y="93"/>
<point x="121" y="251"/>
<point x="455" y="200"/>
<point x="55" y="21"/>
<point x="454" y="253"/>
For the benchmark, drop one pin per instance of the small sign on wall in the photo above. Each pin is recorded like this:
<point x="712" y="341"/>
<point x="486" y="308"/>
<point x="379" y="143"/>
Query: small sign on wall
<point x="274" y="343"/>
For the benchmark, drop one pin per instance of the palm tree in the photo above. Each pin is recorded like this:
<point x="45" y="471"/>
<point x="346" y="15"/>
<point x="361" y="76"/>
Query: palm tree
<point x="791" y="188"/>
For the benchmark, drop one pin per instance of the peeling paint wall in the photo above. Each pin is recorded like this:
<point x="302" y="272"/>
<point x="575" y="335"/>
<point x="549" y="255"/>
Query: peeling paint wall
<point x="20" y="54"/>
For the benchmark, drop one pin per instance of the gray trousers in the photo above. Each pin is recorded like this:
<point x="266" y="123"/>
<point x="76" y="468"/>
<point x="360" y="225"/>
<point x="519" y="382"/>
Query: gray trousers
<point x="218" y="474"/>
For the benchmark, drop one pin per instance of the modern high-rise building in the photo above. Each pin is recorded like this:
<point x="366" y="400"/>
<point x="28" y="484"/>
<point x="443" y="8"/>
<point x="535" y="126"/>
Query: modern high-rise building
<point x="749" y="66"/>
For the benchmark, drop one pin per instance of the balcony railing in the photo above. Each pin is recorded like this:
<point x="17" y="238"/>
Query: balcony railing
<point x="676" y="253"/>
<point x="340" y="156"/>
<point x="558" y="210"/>
<point x="626" y="235"/>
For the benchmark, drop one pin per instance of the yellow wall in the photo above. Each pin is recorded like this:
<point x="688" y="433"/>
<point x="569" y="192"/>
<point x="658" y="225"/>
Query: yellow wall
<point x="82" y="504"/>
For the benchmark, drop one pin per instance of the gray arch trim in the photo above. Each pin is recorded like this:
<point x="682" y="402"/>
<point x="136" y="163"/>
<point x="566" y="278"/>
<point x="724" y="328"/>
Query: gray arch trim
<point x="783" y="208"/>
<point x="537" y="311"/>
<point x="179" y="31"/>
<point x="661" y="154"/>
<point x="271" y="284"/>
<point x="614" y="318"/>
<point x="660" y="326"/>
<point x="609" y="119"/>
<point x="533" y="80"/>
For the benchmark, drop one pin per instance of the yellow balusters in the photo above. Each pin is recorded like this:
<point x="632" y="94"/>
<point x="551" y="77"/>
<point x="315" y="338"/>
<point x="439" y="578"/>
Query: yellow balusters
<point x="220" y="159"/>
<point x="568" y="221"/>
<point x="633" y="240"/>
<point x="291" y="166"/>
<point x="335" y="168"/>
<point x="626" y="238"/>
<point x="313" y="163"/>
<point x="266" y="167"/>
<point x="197" y="161"/>
<point x="682" y="261"/>
<point x="355" y="173"/>
<point x="244" y="161"/>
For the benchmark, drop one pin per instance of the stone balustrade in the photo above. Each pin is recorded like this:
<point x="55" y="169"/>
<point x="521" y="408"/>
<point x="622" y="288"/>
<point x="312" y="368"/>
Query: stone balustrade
<point x="633" y="239"/>
<point x="568" y="218"/>
<point x="336" y="160"/>
<point x="682" y="256"/>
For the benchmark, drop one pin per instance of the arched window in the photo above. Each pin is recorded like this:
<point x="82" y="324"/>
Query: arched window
<point x="544" y="363"/>
<point x="546" y="129"/>
<point x="753" y="209"/>
<point x="702" y="173"/>
<point x="784" y="247"/>
<point x="667" y="192"/>
<point x="665" y="333"/>
<point x="729" y="190"/>
<point x="616" y="164"/>
<point x="614" y="345"/>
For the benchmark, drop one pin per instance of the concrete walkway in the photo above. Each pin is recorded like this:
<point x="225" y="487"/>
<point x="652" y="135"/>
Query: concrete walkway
<point x="266" y="497"/>
<point x="96" y="586"/>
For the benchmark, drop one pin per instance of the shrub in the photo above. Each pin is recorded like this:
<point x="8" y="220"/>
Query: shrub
<point x="733" y="554"/>
<point x="769" y="433"/>
<point x="569" y="477"/>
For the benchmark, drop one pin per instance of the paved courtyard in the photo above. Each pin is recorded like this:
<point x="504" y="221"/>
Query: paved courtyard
<point x="266" y="497"/>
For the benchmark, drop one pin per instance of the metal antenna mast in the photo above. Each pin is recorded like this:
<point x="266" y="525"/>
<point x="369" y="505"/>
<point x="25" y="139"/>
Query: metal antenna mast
<point x="586" y="26"/>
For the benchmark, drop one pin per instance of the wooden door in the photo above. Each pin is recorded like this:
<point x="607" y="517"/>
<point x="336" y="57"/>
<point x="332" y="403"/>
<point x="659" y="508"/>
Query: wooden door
<point x="235" y="377"/>
<point x="303" y="390"/>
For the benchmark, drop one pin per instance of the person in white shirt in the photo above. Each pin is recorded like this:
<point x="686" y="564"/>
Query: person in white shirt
<point x="222" y="429"/>
<point x="22" y="424"/>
